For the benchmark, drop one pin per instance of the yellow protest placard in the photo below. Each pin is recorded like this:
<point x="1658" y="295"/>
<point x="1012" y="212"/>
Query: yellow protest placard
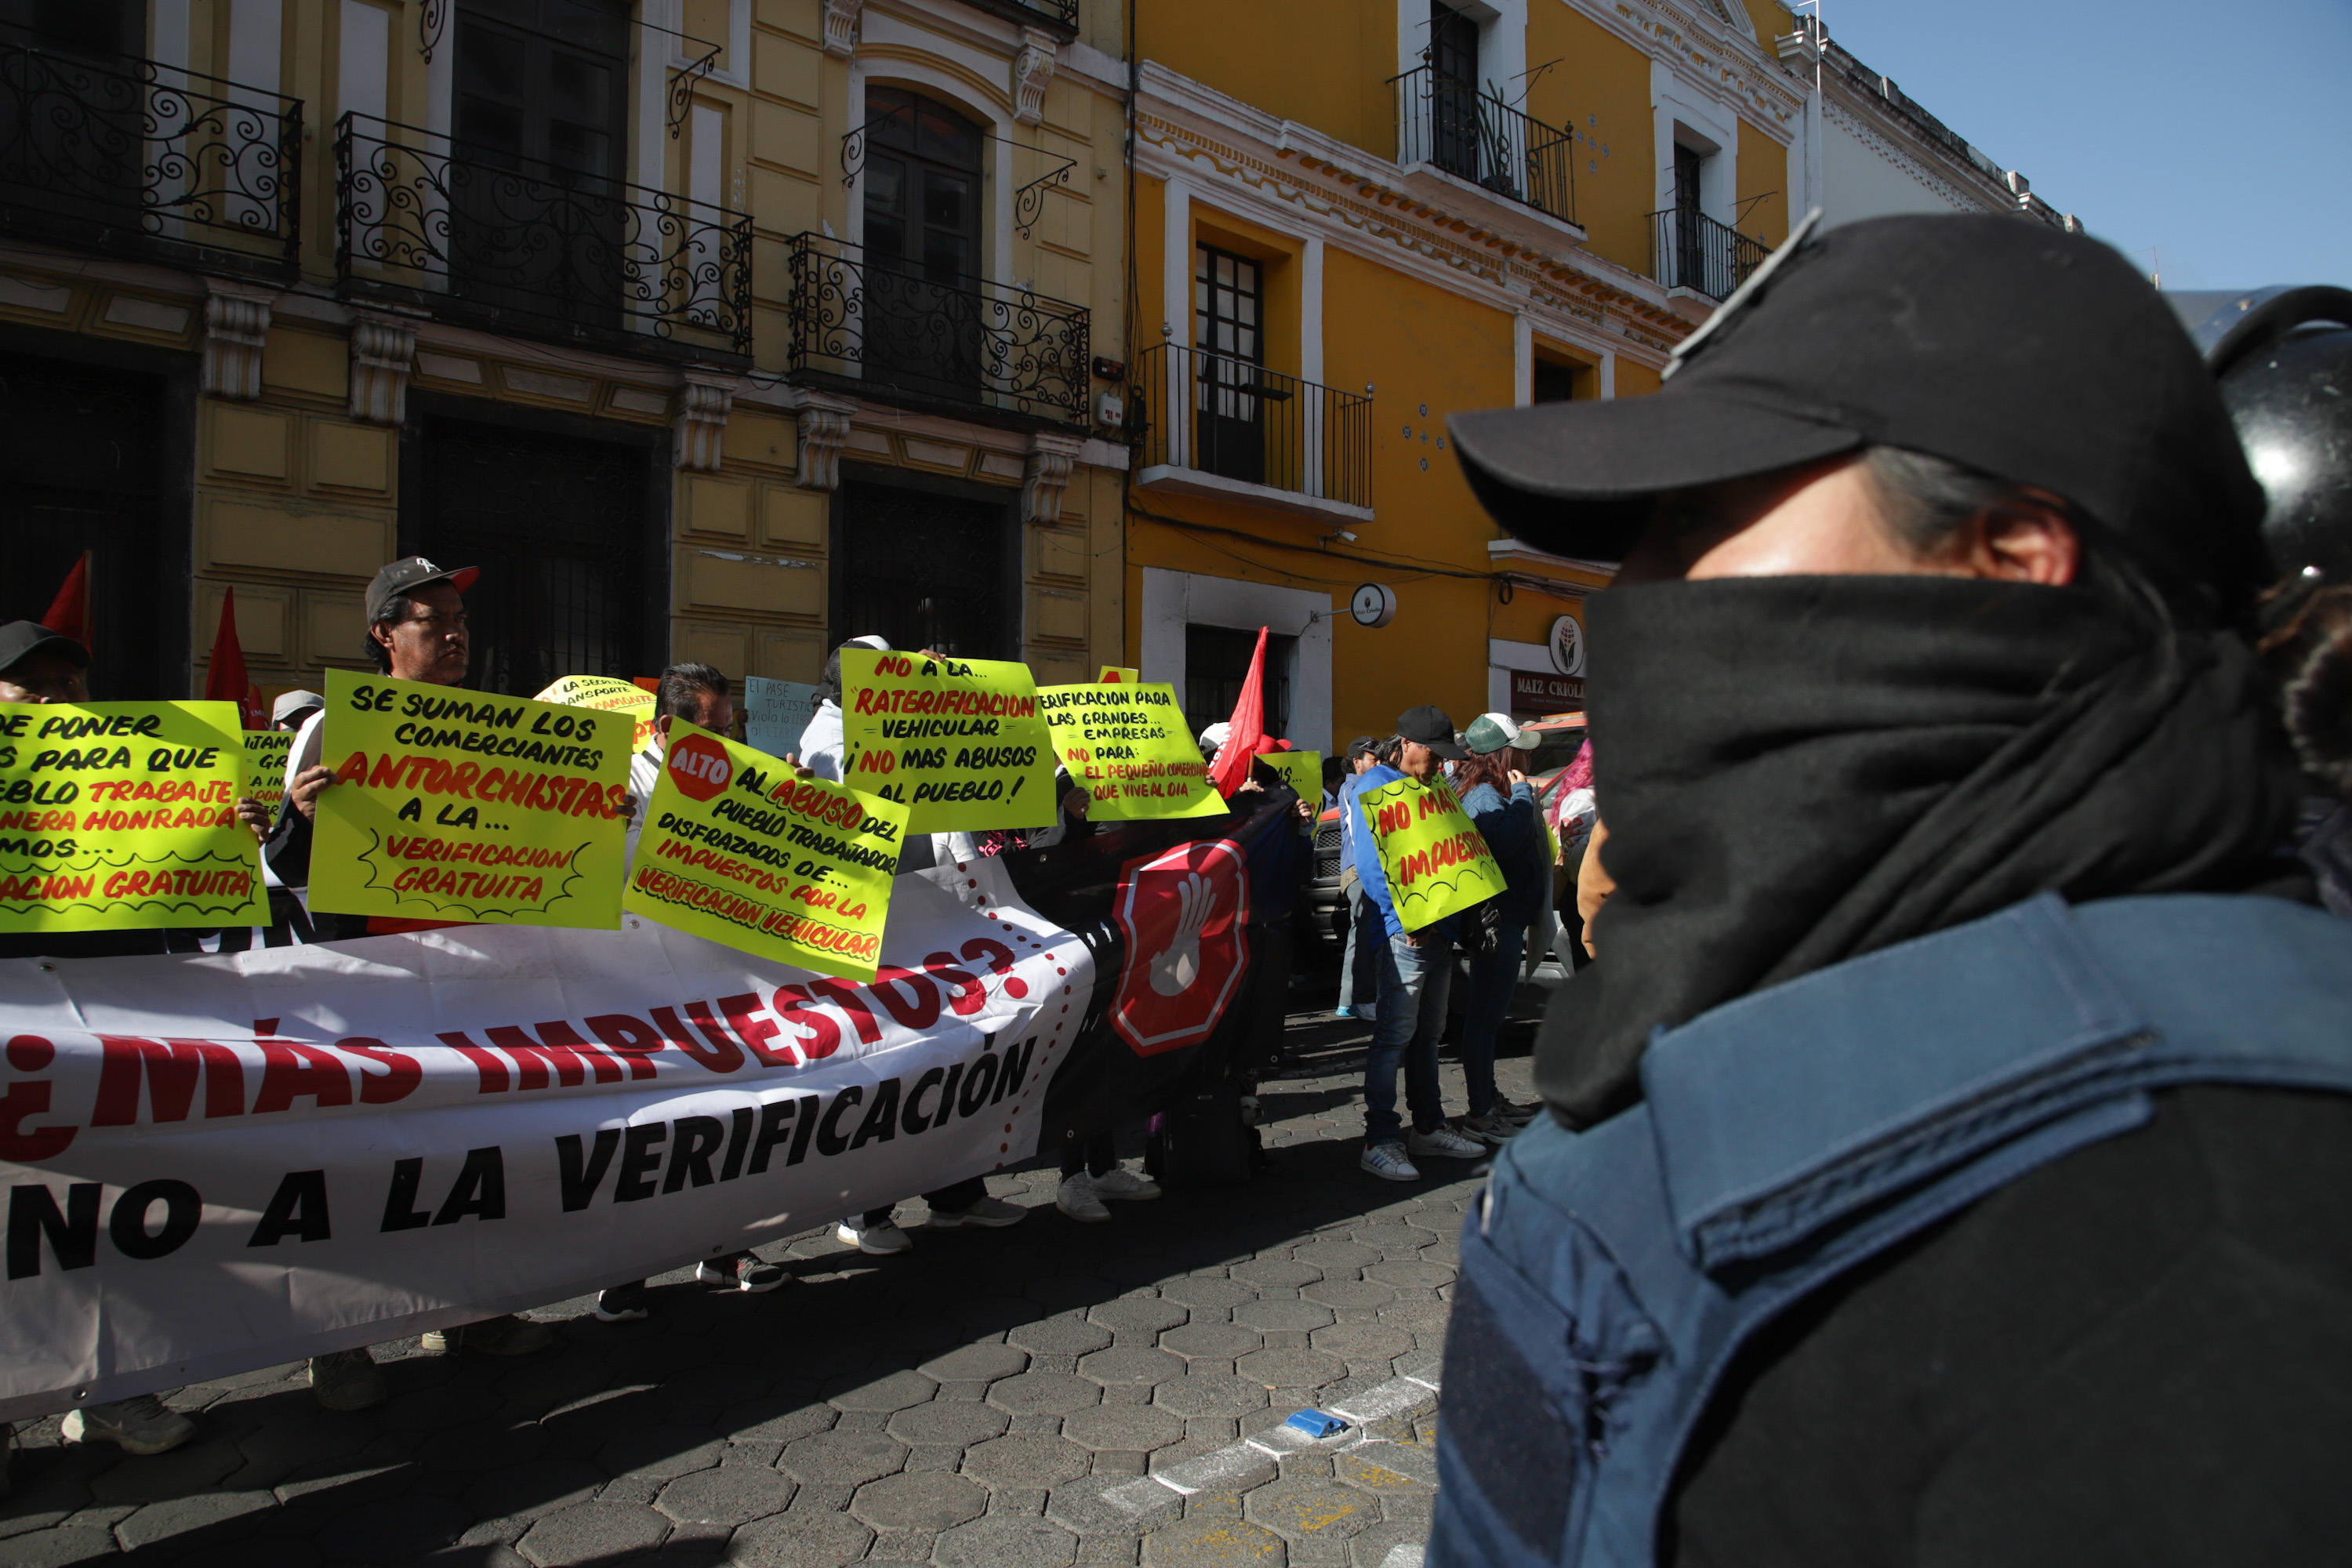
<point x="1127" y="746"/>
<point x="740" y="849"/>
<point x="958" y="742"/>
<point x="1119" y="675"/>
<point x="607" y="694"/>
<point x="266" y="751"/>
<point x="451" y="805"/>
<point x="1303" y="770"/>
<point x="122" y="816"/>
<point x="1436" y="860"/>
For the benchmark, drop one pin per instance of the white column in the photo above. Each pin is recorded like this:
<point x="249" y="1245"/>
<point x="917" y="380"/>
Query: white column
<point x="1176" y="305"/>
<point x="1609" y="374"/>
<point x="1313" y="428"/>
<point x="1523" y="361"/>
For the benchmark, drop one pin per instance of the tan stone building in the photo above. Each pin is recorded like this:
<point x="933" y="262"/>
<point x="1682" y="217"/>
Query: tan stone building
<point x="710" y="329"/>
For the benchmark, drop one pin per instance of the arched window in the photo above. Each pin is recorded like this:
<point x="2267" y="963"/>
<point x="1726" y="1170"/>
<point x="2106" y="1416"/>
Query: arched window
<point x="922" y="187"/>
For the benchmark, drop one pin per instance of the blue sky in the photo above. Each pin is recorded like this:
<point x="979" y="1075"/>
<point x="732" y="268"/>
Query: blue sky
<point x="2214" y="138"/>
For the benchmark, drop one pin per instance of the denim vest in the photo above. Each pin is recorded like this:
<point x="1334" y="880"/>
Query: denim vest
<point x="1608" y="1277"/>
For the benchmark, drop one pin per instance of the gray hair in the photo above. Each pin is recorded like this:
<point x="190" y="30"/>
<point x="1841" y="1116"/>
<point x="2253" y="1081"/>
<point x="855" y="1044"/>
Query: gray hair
<point x="682" y="687"/>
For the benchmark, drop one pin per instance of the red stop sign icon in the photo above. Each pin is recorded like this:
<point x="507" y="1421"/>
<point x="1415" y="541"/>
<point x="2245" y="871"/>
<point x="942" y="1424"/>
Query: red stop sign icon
<point x="1185" y="915"/>
<point x="699" y="766"/>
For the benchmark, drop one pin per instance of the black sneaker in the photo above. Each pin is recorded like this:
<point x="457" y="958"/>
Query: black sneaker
<point x="622" y="1303"/>
<point x="745" y="1271"/>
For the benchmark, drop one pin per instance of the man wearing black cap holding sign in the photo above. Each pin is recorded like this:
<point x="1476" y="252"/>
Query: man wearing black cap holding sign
<point x="1413" y="973"/>
<point x="416" y="630"/>
<point x="1950" y="1156"/>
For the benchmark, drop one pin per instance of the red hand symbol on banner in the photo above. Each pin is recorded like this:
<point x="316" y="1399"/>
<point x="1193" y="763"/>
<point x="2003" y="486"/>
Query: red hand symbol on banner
<point x="1184" y="914"/>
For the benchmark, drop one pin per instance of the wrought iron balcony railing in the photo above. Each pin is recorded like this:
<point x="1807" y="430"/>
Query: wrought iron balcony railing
<point x="1217" y="414"/>
<point x="1689" y="249"/>
<point x="111" y="152"/>
<point x="1060" y="13"/>
<point x="534" y="247"/>
<point x="1451" y="126"/>
<point x="892" y="332"/>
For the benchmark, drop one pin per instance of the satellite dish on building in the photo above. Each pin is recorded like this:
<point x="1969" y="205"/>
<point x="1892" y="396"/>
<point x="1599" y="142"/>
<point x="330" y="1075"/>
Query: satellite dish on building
<point x="1374" y="606"/>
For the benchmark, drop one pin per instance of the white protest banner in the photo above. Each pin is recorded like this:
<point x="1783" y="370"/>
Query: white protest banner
<point x="216" y="1163"/>
<point x="775" y="712"/>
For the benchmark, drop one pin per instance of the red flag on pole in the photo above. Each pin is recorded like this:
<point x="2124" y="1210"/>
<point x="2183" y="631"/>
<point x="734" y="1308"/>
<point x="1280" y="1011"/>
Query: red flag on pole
<point x="68" y="613"/>
<point x="225" y="679"/>
<point x="1246" y="729"/>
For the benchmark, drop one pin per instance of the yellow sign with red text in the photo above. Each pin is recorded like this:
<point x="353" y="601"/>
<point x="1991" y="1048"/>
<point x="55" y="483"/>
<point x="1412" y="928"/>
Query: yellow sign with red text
<point x="739" y="849"/>
<point x="958" y="742"/>
<point x="464" y="807"/>
<point x="1436" y="860"/>
<point x="122" y="816"/>
<point x="1128" y="747"/>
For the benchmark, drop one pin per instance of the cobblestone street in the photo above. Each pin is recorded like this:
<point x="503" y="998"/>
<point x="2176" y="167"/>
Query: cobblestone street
<point x="995" y="1399"/>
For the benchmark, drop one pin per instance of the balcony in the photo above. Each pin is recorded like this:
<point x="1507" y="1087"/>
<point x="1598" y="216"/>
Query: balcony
<point x="536" y="248"/>
<point x="1690" y="250"/>
<point x="887" y="331"/>
<point x="1217" y="426"/>
<point x="1057" y="15"/>
<point x="1451" y="127"/>
<point x="132" y="157"/>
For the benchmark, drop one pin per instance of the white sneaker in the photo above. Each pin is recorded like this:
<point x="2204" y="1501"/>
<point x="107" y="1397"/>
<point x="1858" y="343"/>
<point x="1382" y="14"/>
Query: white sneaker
<point x="1387" y="1161"/>
<point x="1119" y="1184"/>
<point x="1446" y="1144"/>
<point x="881" y="1240"/>
<point x="1075" y="1197"/>
<point x="138" y="1426"/>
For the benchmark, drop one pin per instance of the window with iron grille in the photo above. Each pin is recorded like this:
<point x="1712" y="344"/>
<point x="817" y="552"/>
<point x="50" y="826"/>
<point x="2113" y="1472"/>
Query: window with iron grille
<point x="926" y="569"/>
<point x="80" y="470"/>
<point x="558" y="527"/>
<point x="1217" y="663"/>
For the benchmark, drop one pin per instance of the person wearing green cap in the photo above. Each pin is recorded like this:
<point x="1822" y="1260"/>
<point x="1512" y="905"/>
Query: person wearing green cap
<point x="1499" y="799"/>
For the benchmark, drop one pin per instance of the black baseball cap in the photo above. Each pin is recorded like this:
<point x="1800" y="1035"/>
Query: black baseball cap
<point x="1999" y="342"/>
<point x="1362" y="746"/>
<point x="406" y="577"/>
<point x="1430" y="727"/>
<point x="19" y="641"/>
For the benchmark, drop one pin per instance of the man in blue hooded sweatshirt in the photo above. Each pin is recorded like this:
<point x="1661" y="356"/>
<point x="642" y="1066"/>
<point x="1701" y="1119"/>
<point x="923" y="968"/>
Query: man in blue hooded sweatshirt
<point x="1416" y="972"/>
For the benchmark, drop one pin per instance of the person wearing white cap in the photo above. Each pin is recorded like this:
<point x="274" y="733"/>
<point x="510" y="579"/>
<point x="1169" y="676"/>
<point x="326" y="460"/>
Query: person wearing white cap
<point x="1212" y="740"/>
<point x="1499" y="799"/>
<point x="292" y="708"/>
<point x="820" y="744"/>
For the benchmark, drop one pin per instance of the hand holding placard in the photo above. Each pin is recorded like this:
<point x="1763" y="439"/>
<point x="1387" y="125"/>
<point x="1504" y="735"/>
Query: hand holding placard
<point x="1436" y="860"/>
<point x="1128" y="747"/>
<point x="122" y="816"/>
<point x="958" y="742"/>
<point x="744" y="851"/>
<point x="462" y="805"/>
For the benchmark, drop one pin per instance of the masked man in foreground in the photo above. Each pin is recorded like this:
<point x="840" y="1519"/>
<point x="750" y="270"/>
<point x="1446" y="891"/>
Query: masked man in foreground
<point x="1950" y="1156"/>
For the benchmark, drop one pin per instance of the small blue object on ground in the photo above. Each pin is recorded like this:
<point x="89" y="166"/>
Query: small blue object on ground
<point x="1316" y="1424"/>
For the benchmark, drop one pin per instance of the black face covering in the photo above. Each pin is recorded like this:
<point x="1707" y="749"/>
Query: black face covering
<point x="1795" y="771"/>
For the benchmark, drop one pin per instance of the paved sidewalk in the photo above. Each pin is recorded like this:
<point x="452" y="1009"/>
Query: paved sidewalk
<point x="989" y="1401"/>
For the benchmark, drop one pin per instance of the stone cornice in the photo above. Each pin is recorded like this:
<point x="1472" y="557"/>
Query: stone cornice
<point x="1358" y="198"/>
<point x="1713" y="57"/>
<point x="1933" y="168"/>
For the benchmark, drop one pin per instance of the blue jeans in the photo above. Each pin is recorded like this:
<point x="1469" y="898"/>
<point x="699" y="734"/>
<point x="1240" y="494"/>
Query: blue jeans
<point x="1360" y="939"/>
<point x="1493" y="977"/>
<point x="1414" y="981"/>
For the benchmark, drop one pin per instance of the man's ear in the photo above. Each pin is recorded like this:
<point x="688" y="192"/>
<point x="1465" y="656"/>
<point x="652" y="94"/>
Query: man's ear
<point x="2026" y="538"/>
<point x="661" y="726"/>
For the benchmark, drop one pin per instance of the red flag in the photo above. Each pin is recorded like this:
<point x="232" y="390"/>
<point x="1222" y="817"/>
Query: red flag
<point x="68" y="613"/>
<point x="1246" y="729"/>
<point x="225" y="679"/>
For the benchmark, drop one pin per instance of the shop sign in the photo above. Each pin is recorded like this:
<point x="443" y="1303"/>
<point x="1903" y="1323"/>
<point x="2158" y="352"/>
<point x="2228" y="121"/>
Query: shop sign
<point x="1534" y="692"/>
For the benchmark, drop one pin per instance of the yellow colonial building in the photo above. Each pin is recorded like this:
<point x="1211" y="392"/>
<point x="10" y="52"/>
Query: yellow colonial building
<point x="1355" y="217"/>
<point x="710" y="329"/>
